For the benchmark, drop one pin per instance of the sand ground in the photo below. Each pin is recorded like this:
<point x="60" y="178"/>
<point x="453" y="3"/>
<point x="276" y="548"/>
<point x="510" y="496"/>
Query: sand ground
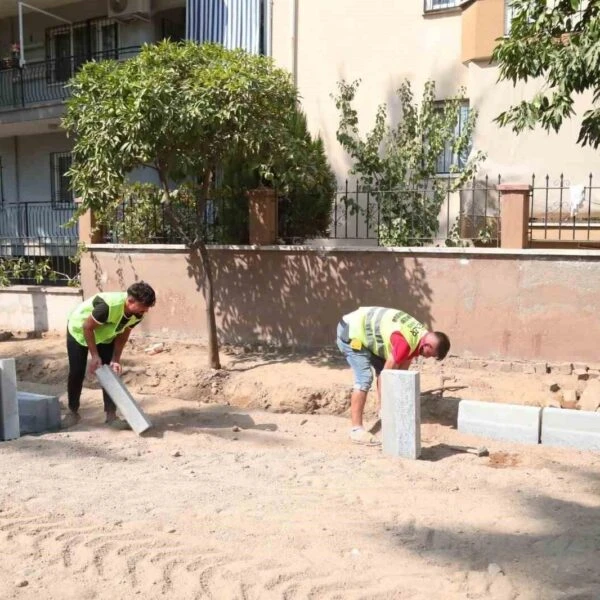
<point x="248" y="487"/>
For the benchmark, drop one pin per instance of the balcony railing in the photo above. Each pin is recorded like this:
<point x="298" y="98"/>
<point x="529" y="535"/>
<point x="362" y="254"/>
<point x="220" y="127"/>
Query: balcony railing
<point x="46" y="81"/>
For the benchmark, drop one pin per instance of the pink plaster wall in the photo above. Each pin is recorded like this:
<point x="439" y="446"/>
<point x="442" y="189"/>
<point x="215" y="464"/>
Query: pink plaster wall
<point x="508" y="305"/>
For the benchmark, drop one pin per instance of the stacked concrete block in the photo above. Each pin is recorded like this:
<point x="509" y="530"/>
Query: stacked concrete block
<point x="9" y="407"/>
<point x="401" y="413"/>
<point x="38" y="413"/>
<point x="120" y="395"/>
<point x="511" y="422"/>
<point x="571" y="428"/>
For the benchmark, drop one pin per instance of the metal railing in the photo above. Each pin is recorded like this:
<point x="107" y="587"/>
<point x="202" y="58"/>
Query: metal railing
<point x="428" y="213"/>
<point x="46" y="81"/>
<point x="35" y="231"/>
<point x="562" y="210"/>
<point x="225" y="221"/>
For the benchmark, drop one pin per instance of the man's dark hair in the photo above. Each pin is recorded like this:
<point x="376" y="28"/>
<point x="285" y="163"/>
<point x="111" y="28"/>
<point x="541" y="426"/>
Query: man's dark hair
<point x="444" y="344"/>
<point x="142" y="292"/>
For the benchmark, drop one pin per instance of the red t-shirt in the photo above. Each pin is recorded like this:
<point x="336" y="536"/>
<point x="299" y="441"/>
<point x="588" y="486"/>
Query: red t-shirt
<point x="400" y="348"/>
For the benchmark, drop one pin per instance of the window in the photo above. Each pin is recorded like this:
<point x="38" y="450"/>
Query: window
<point x="441" y="4"/>
<point x="60" y="184"/>
<point x="508" y="16"/>
<point x="448" y="158"/>
<point x="68" y="47"/>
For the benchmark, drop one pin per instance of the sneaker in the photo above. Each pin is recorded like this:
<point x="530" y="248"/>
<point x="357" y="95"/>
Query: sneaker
<point x="360" y="436"/>
<point x="70" y="420"/>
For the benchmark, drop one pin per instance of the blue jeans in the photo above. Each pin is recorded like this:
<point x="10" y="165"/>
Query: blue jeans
<point x="361" y="361"/>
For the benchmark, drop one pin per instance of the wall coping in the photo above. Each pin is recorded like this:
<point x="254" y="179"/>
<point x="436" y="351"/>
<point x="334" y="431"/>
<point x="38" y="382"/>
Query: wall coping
<point x="410" y="251"/>
<point x="41" y="289"/>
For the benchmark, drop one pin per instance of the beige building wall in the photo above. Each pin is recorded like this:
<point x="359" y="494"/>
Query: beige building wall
<point x="386" y="41"/>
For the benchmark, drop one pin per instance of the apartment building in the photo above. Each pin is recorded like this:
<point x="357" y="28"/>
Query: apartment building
<point x="449" y="41"/>
<point x="39" y="53"/>
<point x="319" y="41"/>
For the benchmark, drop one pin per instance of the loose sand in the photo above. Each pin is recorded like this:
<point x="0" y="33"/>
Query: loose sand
<point x="225" y="499"/>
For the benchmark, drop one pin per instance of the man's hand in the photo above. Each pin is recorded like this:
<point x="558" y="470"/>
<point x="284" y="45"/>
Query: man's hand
<point x="94" y="365"/>
<point x="116" y="367"/>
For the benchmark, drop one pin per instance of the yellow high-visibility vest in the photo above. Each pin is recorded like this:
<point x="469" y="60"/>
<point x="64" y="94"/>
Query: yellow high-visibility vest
<point x="373" y="327"/>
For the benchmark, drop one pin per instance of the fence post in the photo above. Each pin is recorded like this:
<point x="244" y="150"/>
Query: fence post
<point x="514" y="215"/>
<point x="263" y="216"/>
<point x="89" y="232"/>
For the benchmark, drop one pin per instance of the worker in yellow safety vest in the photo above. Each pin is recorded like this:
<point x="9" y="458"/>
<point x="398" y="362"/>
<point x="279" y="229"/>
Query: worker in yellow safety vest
<point x="382" y="338"/>
<point x="101" y="326"/>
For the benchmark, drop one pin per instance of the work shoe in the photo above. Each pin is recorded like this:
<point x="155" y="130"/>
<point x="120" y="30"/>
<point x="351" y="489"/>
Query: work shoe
<point x="70" y="420"/>
<point x="360" y="436"/>
<point x="118" y="424"/>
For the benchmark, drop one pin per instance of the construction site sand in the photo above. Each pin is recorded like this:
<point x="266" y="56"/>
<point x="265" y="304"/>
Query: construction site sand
<point x="225" y="499"/>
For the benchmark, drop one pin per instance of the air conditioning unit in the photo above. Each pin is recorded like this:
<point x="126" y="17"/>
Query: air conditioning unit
<point x="125" y="10"/>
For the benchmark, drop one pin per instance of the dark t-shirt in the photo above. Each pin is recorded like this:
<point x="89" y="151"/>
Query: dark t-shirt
<point x="100" y="314"/>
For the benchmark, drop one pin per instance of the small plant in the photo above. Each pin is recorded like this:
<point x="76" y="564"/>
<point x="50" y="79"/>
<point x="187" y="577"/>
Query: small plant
<point x="397" y="166"/>
<point x="25" y="268"/>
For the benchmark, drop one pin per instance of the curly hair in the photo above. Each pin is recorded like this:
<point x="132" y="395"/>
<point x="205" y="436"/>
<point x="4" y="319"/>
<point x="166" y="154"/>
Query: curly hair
<point x="142" y="292"/>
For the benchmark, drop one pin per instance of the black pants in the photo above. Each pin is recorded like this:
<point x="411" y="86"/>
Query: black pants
<point x="77" y="365"/>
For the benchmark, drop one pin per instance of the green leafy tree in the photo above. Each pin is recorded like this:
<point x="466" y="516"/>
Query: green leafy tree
<point x="302" y="176"/>
<point x="397" y="165"/>
<point x="180" y="109"/>
<point x="558" y="42"/>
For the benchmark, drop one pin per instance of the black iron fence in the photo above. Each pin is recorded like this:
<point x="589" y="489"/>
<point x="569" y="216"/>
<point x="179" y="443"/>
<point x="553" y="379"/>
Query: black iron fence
<point x="225" y="221"/>
<point x="565" y="210"/>
<point x="46" y="81"/>
<point x="35" y="232"/>
<point x="431" y="212"/>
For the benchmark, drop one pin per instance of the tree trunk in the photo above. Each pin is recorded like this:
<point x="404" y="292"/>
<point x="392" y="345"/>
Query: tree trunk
<point x="213" y="344"/>
<point x="198" y="246"/>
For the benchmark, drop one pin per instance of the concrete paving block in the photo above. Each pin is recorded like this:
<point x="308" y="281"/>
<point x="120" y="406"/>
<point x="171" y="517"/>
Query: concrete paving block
<point x="511" y="422"/>
<point x="9" y="407"/>
<point x="38" y="413"/>
<point x="120" y="395"/>
<point x="571" y="429"/>
<point x="401" y="413"/>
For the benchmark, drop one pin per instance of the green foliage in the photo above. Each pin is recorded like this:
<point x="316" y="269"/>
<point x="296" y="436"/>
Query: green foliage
<point x="307" y="183"/>
<point x="558" y="42"/>
<point x="181" y="109"/>
<point x="397" y="165"/>
<point x="25" y="268"/>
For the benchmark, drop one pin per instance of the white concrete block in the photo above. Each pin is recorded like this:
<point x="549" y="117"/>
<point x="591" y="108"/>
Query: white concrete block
<point x="401" y="413"/>
<point x="120" y="395"/>
<point x="38" y="413"/>
<point x="9" y="407"/>
<point x="571" y="428"/>
<point x="511" y="422"/>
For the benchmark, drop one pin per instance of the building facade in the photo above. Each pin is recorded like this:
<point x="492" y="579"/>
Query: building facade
<point x="319" y="41"/>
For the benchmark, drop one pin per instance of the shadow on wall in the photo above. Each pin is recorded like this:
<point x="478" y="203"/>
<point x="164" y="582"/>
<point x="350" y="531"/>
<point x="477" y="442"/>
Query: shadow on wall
<point x="297" y="299"/>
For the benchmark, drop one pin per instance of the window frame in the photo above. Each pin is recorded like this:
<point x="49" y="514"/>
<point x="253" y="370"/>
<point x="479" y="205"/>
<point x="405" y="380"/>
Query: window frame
<point x="93" y="41"/>
<point x="57" y="180"/>
<point x="429" y="5"/>
<point x="1" y="181"/>
<point x="455" y="159"/>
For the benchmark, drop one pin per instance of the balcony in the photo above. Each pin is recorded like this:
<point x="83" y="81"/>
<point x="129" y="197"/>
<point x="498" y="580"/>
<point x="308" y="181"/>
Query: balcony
<point x="45" y="82"/>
